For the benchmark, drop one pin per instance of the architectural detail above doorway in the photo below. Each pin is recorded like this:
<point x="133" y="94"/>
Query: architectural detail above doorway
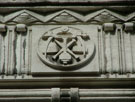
<point x="65" y="48"/>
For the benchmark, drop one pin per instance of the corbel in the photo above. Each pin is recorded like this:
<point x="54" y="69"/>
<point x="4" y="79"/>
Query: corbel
<point x="21" y="28"/>
<point x="128" y="27"/>
<point x="109" y="27"/>
<point x="3" y="28"/>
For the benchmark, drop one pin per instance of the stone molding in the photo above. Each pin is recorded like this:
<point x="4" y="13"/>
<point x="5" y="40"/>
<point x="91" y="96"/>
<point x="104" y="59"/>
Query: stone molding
<point x="111" y="33"/>
<point x="72" y="94"/>
<point x="97" y="17"/>
<point x="67" y="51"/>
<point x="69" y="2"/>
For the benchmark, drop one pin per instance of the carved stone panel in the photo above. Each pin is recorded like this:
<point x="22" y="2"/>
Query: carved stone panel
<point x="67" y="42"/>
<point x="65" y="49"/>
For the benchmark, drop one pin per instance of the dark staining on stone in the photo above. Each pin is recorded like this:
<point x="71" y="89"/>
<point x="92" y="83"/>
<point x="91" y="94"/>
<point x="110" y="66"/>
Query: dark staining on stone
<point x="15" y="57"/>
<point x="3" y="67"/>
<point x="3" y="34"/>
<point x="24" y="48"/>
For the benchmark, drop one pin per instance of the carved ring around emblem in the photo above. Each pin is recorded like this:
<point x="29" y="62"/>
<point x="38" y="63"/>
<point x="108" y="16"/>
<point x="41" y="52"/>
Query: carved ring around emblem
<point x="65" y="48"/>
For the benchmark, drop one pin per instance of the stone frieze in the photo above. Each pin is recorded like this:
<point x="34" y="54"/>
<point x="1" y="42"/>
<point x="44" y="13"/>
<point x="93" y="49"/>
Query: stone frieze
<point x="67" y="42"/>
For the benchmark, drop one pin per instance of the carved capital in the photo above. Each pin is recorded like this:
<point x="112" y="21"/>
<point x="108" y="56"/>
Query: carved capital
<point x="21" y="28"/>
<point x="129" y="26"/>
<point x="3" y="28"/>
<point x="109" y="27"/>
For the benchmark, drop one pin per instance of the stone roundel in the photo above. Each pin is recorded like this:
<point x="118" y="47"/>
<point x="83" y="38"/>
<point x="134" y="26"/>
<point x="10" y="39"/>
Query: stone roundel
<point x="65" y="48"/>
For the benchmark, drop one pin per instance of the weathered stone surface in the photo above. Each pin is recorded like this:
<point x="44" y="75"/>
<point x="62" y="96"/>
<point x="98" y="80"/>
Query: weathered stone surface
<point x="67" y="42"/>
<point x="67" y="53"/>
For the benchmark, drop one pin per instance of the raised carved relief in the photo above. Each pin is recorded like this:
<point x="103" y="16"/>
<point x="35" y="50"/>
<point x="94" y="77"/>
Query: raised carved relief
<point x="105" y="17"/>
<point x="65" y="17"/>
<point x="65" y="48"/>
<point x="116" y="48"/>
<point x="24" y="18"/>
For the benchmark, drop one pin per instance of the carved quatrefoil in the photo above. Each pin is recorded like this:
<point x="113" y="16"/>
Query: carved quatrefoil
<point x="65" y="48"/>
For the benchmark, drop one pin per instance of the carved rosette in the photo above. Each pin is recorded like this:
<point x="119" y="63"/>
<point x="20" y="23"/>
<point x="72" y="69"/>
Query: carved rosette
<point x="65" y="48"/>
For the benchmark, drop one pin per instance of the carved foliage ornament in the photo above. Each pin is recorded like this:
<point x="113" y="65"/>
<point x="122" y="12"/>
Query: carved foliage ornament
<point x="65" y="48"/>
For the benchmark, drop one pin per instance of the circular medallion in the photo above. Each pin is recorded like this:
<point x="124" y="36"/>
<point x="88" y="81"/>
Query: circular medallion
<point x="65" y="48"/>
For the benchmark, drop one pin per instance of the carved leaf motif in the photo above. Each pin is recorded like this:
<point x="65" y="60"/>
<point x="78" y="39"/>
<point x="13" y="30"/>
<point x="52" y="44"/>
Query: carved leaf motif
<point x="24" y="18"/>
<point x="65" y="18"/>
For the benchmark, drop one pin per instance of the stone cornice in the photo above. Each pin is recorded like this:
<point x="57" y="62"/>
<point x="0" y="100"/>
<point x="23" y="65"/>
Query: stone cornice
<point x="66" y="2"/>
